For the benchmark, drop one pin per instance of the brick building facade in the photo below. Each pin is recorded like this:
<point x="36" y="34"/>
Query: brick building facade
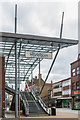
<point x="75" y="81"/>
<point x="61" y="93"/>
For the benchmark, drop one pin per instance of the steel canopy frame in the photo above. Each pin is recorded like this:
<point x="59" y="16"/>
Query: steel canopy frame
<point x="10" y="37"/>
<point x="29" y="43"/>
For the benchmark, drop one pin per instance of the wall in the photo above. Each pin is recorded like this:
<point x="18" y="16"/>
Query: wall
<point x="76" y="77"/>
<point x="2" y="84"/>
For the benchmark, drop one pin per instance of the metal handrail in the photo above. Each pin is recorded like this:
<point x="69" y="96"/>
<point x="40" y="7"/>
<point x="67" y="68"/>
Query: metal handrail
<point x="26" y="105"/>
<point x="43" y="105"/>
<point x="45" y="108"/>
<point x="33" y="93"/>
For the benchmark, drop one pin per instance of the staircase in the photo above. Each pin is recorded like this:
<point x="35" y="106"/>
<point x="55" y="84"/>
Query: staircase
<point x="31" y="105"/>
<point x="35" y="108"/>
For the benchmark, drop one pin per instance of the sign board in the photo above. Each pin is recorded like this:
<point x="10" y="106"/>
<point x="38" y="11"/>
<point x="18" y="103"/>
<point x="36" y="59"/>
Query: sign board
<point x="76" y="92"/>
<point x="41" y="55"/>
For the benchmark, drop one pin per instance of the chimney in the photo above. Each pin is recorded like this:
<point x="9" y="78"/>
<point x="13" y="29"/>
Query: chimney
<point x="40" y="76"/>
<point x="35" y="77"/>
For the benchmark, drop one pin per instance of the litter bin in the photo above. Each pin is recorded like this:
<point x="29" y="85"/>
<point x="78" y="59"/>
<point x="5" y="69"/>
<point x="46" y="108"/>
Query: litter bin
<point x="53" y="110"/>
<point x="3" y="112"/>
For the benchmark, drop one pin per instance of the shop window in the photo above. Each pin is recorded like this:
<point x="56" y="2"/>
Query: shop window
<point x="78" y="70"/>
<point x="73" y="85"/>
<point x="76" y="102"/>
<point x="73" y="72"/>
<point x="77" y="85"/>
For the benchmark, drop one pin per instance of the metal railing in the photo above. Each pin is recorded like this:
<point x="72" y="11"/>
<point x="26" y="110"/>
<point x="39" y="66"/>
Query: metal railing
<point x="33" y="93"/>
<point x="25" y="103"/>
<point x="7" y="88"/>
<point x="45" y="108"/>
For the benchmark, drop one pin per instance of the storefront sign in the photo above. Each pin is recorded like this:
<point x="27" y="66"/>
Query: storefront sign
<point x="76" y="92"/>
<point x="41" y="55"/>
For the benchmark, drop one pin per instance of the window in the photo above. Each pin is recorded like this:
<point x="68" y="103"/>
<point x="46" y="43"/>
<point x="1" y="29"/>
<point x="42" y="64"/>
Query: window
<point x="77" y="70"/>
<point x="77" y="85"/>
<point x="49" y="92"/>
<point x="66" y="92"/>
<point x="60" y="85"/>
<point x="57" y="85"/>
<point x="73" y="72"/>
<point x="66" y="83"/>
<point x="57" y="94"/>
<point x="73" y="85"/>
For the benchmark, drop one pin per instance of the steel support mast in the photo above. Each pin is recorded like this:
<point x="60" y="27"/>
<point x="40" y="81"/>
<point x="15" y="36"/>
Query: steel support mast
<point x="16" y="82"/>
<point x="55" y="55"/>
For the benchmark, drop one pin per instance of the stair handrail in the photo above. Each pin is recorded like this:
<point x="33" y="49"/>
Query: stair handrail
<point x="33" y="93"/>
<point x="45" y="108"/>
<point x="9" y="88"/>
<point x="43" y="105"/>
<point x="26" y="104"/>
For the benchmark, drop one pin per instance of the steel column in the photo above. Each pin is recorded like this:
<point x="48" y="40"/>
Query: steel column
<point x="19" y="74"/>
<point x="39" y="76"/>
<point x="19" y="82"/>
<point x="16" y="82"/>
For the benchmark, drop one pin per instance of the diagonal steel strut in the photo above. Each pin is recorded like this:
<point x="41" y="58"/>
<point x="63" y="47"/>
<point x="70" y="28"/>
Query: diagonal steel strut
<point x="29" y="69"/>
<point x="9" y="54"/>
<point x="50" y="69"/>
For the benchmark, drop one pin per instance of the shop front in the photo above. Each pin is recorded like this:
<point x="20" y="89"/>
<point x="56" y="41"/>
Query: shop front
<point x="76" y="100"/>
<point x="66" y="103"/>
<point x="76" y="103"/>
<point x="59" y="103"/>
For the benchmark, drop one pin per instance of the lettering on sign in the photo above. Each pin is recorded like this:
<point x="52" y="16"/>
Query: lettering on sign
<point x="76" y="92"/>
<point x="41" y="55"/>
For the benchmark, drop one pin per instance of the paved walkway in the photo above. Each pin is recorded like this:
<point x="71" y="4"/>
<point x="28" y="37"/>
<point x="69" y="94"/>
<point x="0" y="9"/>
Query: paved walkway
<point x="60" y="113"/>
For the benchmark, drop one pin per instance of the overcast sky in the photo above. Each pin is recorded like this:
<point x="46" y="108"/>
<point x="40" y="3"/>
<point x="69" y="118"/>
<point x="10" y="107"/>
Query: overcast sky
<point x="44" y="18"/>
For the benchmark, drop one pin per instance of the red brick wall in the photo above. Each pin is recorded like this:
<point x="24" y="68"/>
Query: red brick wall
<point x="75" y="78"/>
<point x="2" y="83"/>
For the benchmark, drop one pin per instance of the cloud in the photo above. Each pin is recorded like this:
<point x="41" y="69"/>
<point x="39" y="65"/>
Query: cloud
<point x="45" y="19"/>
<point x="61" y="68"/>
